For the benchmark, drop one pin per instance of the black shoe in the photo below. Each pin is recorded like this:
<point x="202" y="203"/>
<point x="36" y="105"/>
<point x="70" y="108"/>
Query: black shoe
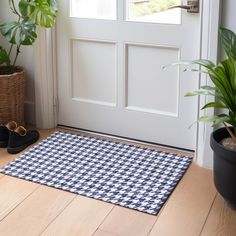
<point x="5" y="131"/>
<point x="20" y="138"/>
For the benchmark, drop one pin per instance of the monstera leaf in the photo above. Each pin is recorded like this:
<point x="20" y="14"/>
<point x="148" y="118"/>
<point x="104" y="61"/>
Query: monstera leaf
<point x="41" y="12"/>
<point x="53" y="4"/>
<point x="29" y="15"/>
<point x="4" y="58"/>
<point x="22" y="32"/>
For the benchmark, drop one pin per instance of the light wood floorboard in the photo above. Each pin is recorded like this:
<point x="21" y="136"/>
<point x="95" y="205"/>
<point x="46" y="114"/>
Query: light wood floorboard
<point x="12" y="192"/>
<point x="34" y="214"/>
<point x="102" y="233"/>
<point x="125" y="222"/>
<point x="221" y="221"/>
<point x="87" y="214"/>
<point x="29" y="209"/>
<point x="2" y="150"/>
<point x="188" y="206"/>
<point x="5" y="157"/>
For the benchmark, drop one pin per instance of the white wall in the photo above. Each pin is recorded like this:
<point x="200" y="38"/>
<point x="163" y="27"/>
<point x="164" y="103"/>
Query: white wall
<point x="26" y="60"/>
<point x="229" y="14"/>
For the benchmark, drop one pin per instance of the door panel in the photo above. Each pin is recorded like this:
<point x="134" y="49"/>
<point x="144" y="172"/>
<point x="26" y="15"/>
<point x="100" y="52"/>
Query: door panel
<point x="145" y="83"/>
<point x="110" y="76"/>
<point x="92" y="80"/>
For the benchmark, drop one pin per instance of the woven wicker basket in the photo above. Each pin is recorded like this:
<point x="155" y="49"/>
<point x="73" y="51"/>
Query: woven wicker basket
<point x="12" y="95"/>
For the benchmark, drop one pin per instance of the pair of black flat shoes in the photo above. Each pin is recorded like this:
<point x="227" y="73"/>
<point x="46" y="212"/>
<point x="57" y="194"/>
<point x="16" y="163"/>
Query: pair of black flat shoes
<point x="16" y="138"/>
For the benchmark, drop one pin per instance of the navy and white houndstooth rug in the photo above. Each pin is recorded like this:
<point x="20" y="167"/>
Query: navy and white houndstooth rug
<point x="126" y="175"/>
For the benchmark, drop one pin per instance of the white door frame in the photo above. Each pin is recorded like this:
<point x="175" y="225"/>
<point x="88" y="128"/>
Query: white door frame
<point x="211" y="14"/>
<point x="46" y="83"/>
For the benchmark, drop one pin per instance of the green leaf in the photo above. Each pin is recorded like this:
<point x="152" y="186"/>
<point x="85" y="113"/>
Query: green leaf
<point x="223" y="87"/>
<point x="221" y="76"/>
<point x="206" y="118"/>
<point x="195" y="70"/>
<point x="219" y="119"/>
<point x="213" y="104"/>
<point x="8" y="31"/>
<point x="215" y="120"/>
<point x="22" y="32"/>
<point x="207" y="87"/>
<point x="232" y="116"/>
<point x="229" y="66"/>
<point x="228" y="39"/>
<point x="53" y="5"/>
<point x="27" y="32"/>
<point x="4" y="58"/>
<point x="204" y="90"/>
<point x="23" y="7"/>
<point x="41" y="12"/>
<point x="205" y="63"/>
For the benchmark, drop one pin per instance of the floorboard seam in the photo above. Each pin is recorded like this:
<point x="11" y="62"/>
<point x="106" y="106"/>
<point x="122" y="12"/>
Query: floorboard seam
<point x="164" y="206"/>
<point x="105" y="232"/>
<point x="24" y="199"/>
<point x="58" y="214"/>
<point x="203" y="226"/>
<point x="113" y="206"/>
<point x="157" y="217"/>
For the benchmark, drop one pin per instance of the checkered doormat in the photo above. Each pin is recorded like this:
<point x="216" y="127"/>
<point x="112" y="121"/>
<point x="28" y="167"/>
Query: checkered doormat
<point x="126" y="175"/>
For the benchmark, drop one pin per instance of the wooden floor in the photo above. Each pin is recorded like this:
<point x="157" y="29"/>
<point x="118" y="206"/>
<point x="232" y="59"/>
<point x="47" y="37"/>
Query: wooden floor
<point x="194" y="208"/>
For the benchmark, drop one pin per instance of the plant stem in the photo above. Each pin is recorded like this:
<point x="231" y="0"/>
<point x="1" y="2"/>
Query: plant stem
<point x="230" y="133"/>
<point x="18" y="46"/>
<point x="17" y="54"/>
<point x="14" y="8"/>
<point x="9" y="53"/>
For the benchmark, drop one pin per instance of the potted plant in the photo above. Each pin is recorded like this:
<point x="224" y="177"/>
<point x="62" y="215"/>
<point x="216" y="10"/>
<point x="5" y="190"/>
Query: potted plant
<point x="223" y="140"/>
<point x="20" y="32"/>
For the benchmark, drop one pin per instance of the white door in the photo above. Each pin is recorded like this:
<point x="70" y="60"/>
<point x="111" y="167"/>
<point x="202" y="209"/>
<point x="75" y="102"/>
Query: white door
<point x="110" y="76"/>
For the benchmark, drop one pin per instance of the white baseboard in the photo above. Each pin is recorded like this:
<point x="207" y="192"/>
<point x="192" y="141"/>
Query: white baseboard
<point x="30" y="112"/>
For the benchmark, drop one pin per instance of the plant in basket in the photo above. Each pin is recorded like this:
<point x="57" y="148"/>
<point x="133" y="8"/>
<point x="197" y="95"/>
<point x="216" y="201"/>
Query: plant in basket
<point x="20" y="32"/>
<point x="223" y="140"/>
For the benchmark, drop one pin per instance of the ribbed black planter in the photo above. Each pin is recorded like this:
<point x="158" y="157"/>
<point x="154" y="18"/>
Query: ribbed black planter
<point x="224" y="168"/>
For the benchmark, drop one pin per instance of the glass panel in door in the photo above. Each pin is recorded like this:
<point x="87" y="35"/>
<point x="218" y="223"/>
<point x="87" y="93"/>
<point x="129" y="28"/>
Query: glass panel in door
<point x="155" y="11"/>
<point x="95" y="9"/>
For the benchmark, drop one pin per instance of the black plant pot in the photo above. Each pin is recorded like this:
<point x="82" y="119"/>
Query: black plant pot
<point x="224" y="168"/>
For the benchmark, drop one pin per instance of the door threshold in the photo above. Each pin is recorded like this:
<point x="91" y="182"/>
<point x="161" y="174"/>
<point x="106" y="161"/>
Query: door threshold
<point x="126" y="139"/>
